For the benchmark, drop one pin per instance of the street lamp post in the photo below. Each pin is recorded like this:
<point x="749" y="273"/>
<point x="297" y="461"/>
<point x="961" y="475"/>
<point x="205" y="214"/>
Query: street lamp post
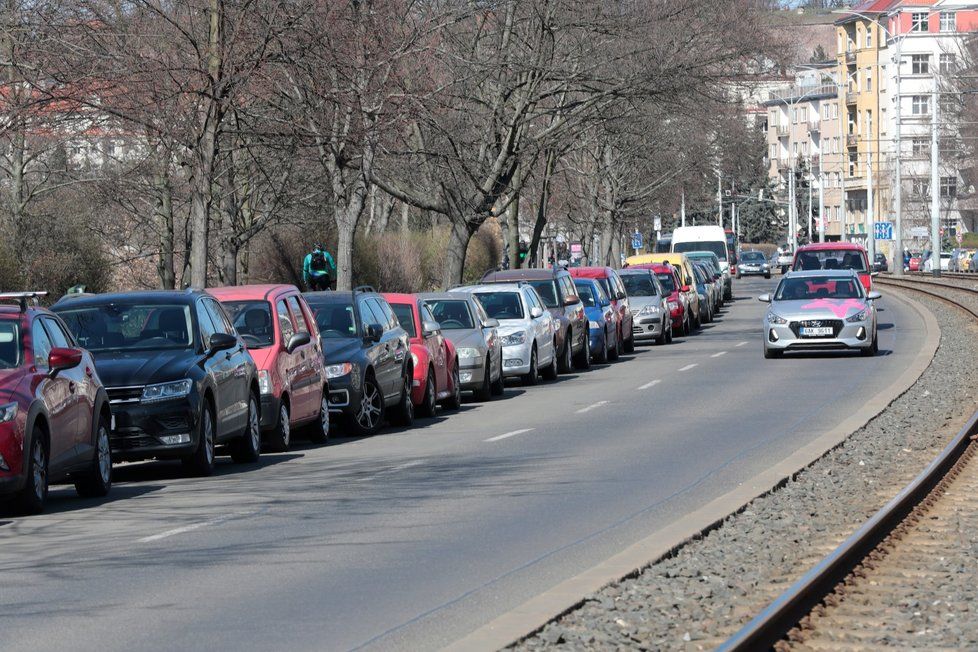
<point x="935" y="187"/>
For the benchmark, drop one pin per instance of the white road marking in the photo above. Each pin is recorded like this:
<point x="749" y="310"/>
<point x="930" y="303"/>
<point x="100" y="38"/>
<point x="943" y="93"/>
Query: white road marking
<point x="393" y="469"/>
<point x="592" y="406"/>
<point x="717" y="355"/>
<point x="507" y="435"/>
<point x="194" y="526"/>
<point x="742" y="344"/>
<point x="650" y="384"/>
<point x="689" y="366"/>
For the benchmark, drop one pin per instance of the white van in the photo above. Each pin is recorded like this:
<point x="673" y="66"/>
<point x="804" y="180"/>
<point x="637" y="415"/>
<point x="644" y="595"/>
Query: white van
<point x="705" y="238"/>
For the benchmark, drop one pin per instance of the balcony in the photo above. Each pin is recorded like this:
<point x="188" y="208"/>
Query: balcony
<point x="783" y="130"/>
<point x="814" y="126"/>
<point x="850" y="57"/>
<point x="851" y="140"/>
<point x="851" y="97"/>
<point x="794" y="93"/>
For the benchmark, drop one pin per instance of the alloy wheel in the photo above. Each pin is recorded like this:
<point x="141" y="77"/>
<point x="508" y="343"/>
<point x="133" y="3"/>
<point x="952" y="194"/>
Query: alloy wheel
<point x="208" y="442"/>
<point x="284" y="426"/>
<point x="40" y="469"/>
<point x="369" y="414"/>
<point x="254" y="427"/>
<point x="104" y="453"/>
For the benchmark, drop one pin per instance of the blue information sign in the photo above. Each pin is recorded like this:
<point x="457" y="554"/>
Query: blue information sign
<point x="883" y="230"/>
<point x="636" y="240"/>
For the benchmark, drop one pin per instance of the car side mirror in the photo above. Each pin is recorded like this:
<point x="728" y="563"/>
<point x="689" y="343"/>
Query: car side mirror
<point x="621" y="295"/>
<point x="570" y="299"/>
<point x="63" y="358"/>
<point x="222" y="342"/>
<point x="536" y="312"/>
<point x="873" y="295"/>
<point x="605" y="303"/>
<point x="373" y="332"/>
<point x="429" y="328"/>
<point x="297" y="340"/>
<point x="493" y="323"/>
<point x="685" y="288"/>
<point x="764" y="298"/>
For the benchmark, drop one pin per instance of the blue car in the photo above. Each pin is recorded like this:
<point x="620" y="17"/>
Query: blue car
<point x="602" y="319"/>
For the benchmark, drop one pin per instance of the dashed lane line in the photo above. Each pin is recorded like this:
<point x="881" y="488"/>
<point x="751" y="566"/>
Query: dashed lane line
<point x="592" y="406"/>
<point x="507" y="435"/>
<point x="717" y="355"/>
<point x="651" y="383"/>
<point x="193" y="526"/>
<point x="742" y="344"/>
<point x="689" y="366"/>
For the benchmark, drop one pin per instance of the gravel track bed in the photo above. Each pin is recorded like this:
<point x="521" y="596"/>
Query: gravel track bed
<point x="712" y="586"/>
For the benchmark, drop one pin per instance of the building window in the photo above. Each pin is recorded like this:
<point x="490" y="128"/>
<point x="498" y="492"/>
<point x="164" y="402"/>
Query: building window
<point x="869" y="37"/>
<point x="918" y="21"/>
<point x="919" y="64"/>
<point x="774" y="152"/>
<point x="869" y="80"/>
<point x="882" y="83"/>
<point x="947" y="63"/>
<point x="852" y="165"/>
<point x="869" y="123"/>
<point x="882" y="121"/>
<point x="947" y="21"/>
<point x="920" y="187"/>
<point x="918" y="146"/>
<point x="949" y="187"/>
<point x="920" y="105"/>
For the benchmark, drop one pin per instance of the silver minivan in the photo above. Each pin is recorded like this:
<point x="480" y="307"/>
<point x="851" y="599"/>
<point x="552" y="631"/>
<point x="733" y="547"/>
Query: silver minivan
<point x="526" y="329"/>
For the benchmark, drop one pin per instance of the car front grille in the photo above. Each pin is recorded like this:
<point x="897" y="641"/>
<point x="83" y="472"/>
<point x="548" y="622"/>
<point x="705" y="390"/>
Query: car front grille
<point x="120" y="395"/>
<point x="836" y="325"/>
<point x="132" y="439"/>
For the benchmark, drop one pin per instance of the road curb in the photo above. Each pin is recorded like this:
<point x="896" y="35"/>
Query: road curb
<point x="535" y="613"/>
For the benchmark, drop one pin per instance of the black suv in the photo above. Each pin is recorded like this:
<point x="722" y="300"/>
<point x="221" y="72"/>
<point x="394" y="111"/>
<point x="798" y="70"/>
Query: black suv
<point x="556" y="288"/>
<point x="368" y="358"/>
<point x="180" y="381"/>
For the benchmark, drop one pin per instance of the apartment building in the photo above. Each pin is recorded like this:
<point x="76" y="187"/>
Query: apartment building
<point x="804" y="135"/>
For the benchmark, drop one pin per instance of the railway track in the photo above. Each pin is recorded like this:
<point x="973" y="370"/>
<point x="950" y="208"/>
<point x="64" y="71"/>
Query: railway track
<point x="894" y="565"/>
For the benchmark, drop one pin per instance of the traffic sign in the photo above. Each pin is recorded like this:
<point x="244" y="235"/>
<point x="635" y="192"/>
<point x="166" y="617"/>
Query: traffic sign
<point x="636" y="240"/>
<point x="657" y="224"/>
<point x="959" y="237"/>
<point x="883" y="230"/>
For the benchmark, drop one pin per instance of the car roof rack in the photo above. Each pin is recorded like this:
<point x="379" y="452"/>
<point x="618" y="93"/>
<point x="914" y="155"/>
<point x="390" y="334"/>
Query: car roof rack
<point x="364" y="288"/>
<point x="22" y="298"/>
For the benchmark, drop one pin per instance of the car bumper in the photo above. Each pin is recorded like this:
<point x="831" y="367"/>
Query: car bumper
<point x="754" y="271"/>
<point x="858" y="335"/>
<point x="647" y="328"/>
<point x="516" y="359"/>
<point x="12" y="483"/>
<point x="140" y="428"/>
<point x="342" y="394"/>
<point x="269" y="411"/>
<point x="597" y="337"/>
<point x="471" y="371"/>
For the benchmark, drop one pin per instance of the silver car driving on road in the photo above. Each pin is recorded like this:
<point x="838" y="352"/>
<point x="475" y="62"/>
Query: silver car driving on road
<point x="526" y="329"/>
<point x="476" y="339"/>
<point x="820" y="310"/>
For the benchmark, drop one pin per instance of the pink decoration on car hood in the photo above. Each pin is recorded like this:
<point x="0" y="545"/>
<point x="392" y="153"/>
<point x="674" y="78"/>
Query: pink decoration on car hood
<point x="839" y="307"/>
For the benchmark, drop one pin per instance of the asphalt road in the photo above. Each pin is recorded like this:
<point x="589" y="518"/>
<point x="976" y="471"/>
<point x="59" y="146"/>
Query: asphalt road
<point x="413" y="538"/>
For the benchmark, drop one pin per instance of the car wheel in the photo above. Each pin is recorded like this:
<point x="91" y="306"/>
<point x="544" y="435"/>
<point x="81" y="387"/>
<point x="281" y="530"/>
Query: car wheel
<point x="566" y="363"/>
<point x="404" y="412"/>
<point x="282" y="435"/>
<point x="663" y="335"/>
<point x="454" y="401"/>
<point x="32" y="497"/>
<point x="550" y="371"/>
<point x="532" y="377"/>
<point x="98" y="480"/>
<point x="201" y="461"/>
<point x="615" y="352"/>
<point x="872" y="349"/>
<point x="429" y="407"/>
<point x="630" y="344"/>
<point x="601" y="357"/>
<point x="246" y="449"/>
<point x="319" y="429"/>
<point x="738" y="276"/>
<point x="484" y="393"/>
<point x="770" y="354"/>
<point x="370" y="414"/>
<point x="583" y="359"/>
<point x="499" y="385"/>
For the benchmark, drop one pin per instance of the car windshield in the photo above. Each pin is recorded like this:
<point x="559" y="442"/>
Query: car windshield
<point x="752" y="257"/>
<point x="131" y="326"/>
<point x="335" y="320"/>
<point x="667" y="282"/>
<point x="717" y="247"/>
<point x="591" y="295"/>
<point x="11" y="346"/>
<point x="831" y="259"/>
<point x="501" y="305"/>
<point x="638" y="285"/>
<point x="253" y="320"/>
<point x="452" y="314"/>
<point x="547" y="292"/>
<point x="819" y="287"/>
<point x="405" y="316"/>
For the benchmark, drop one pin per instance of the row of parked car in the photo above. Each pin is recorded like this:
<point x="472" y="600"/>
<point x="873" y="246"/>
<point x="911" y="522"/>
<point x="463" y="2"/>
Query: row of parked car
<point x="187" y="375"/>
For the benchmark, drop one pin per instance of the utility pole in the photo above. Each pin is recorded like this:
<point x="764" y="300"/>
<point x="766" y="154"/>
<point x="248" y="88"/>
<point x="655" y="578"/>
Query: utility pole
<point x="811" y="180"/>
<point x="870" y="207"/>
<point x="935" y="186"/>
<point x="897" y="267"/>
<point x="682" y="209"/>
<point x="821" y="206"/>
<point x="792" y="211"/>
<point x="719" y="200"/>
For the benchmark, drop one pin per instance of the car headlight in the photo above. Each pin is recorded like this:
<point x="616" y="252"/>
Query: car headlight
<point x="593" y="324"/>
<point x="167" y="391"/>
<point x="8" y="412"/>
<point x="468" y="352"/>
<point x="264" y="381"/>
<point x="514" y="338"/>
<point x="414" y="358"/>
<point x="764" y="265"/>
<point x="673" y="305"/>
<point x="338" y="370"/>
<point x="650" y="309"/>
<point x="862" y="315"/>
<point x="775" y="318"/>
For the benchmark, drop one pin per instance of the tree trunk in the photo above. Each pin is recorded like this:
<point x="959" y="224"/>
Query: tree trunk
<point x="458" y="244"/>
<point x="164" y="213"/>
<point x="345" y="232"/>
<point x="230" y="266"/>
<point x="541" y="220"/>
<point x="513" y="233"/>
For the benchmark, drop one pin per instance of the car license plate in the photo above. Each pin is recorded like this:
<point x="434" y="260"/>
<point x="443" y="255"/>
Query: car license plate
<point x="809" y="331"/>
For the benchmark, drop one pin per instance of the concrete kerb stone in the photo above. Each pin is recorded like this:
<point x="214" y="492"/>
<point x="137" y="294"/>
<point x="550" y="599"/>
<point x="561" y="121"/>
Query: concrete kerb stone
<point x="534" y="614"/>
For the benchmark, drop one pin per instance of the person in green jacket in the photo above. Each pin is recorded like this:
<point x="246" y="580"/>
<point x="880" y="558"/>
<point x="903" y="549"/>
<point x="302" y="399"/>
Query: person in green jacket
<point x="317" y="269"/>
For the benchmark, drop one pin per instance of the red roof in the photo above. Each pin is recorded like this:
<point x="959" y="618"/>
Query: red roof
<point x="868" y="7"/>
<point x="246" y="292"/>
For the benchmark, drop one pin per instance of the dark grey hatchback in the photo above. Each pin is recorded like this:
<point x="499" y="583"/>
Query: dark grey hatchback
<point x="179" y="378"/>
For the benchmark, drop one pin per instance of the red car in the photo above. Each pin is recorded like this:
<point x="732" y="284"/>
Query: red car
<point x="288" y="353"/>
<point x="436" y="375"/>
<point x="615" y="289"/>
<point x="54" y="412"/>
<point x="669" y="278"/>
<point x="915" y="260"/>
<point x="835" y="255"/>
